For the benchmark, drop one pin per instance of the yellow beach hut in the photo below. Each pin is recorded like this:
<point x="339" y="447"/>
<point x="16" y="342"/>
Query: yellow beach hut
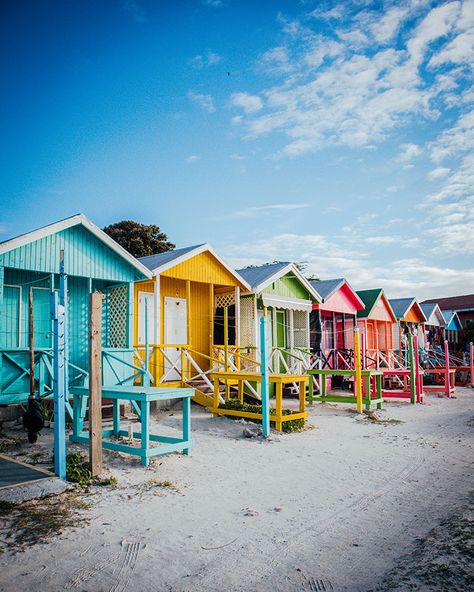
<point x="175" y="313"/>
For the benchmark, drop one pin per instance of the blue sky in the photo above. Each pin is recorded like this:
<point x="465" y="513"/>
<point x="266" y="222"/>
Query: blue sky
<point x="336" y="133"/>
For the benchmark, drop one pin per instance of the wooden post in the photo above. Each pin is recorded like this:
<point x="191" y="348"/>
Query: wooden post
<point x="358" y="370"/>
<point x="419" y="377"/>
<point x="471" y="362"/>
<point x="95" y="384"/>
<point x="31" y="338"/>
<point x="413" y="374"/>
<point x="264" y="367"/>
<point x="447" y="376"/>
<point x="226" y="338"/>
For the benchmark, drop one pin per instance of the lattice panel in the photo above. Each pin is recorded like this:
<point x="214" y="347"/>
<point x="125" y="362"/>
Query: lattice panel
<point x="223" y="300"/>
<point x="300" y="328"/>
<point x="247" y="322"/>
<point x="115" y="317"/>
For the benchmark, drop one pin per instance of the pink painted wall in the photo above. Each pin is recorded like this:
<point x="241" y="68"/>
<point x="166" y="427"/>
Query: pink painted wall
<point x="342" y="301"/>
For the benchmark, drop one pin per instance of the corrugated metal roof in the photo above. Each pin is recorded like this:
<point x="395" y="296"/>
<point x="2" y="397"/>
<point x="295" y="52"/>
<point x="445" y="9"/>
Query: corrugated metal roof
<point x="428" y="308"/>
<point x="326" y="287"/>
<point x="465" y="302"/>
<point x="369" y="298"/>
<point x="400" y="306"/>
<point x="255" y="276"/>
<point x="154" y="261"/>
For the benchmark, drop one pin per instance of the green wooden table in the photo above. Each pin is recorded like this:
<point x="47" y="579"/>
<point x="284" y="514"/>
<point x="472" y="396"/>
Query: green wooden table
<point x="140" y="398"/>
<point x="367" y="377"/>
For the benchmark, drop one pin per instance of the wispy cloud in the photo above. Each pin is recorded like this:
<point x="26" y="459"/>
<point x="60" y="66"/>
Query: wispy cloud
<point x="351" y="87"/>
<point x="203" y="100"/>
<point x="136" y="11"/>
<point x="408" y="152"/>
<point x="205" y="60"/>
<point x="254" y="211"/>
<point x="193" y="158"/>
<point x="249" y="103"/>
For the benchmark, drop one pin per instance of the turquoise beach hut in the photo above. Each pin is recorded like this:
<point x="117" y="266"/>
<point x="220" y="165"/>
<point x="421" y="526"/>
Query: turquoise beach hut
<point x="93" y="262"/>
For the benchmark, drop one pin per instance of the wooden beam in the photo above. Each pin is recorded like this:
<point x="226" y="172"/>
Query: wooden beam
<point x="95" y="384"/>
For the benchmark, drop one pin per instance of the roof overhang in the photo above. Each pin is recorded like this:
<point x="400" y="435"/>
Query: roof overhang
<point x="270" y="300"/>
<point x="387" y="304"/>
<point x="77" y="220"/>
<point x="290" y="268"/>
<point x="205" y="248"/>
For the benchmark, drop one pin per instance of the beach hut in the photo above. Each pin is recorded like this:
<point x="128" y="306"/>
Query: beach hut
<point x="288" y="297"/>
<point x="180" y="312"/>
<point x="376" y="322"/>
<point x="29" y="267"/>
<point x="410" y="317"/>
<point x="453" y="325"/>
<point x="434" y="328"/>
<point x="332" y="322"/>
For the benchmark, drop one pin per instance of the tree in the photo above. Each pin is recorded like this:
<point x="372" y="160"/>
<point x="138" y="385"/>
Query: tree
<point x="138" y="239"/>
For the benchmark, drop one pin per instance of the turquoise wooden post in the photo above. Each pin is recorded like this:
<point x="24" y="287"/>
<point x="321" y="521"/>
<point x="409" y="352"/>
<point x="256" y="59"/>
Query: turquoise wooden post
<point x="186" y="422"/>
<point x="413" y="377"/>
<point x="146" y="376"/>
<point x="265" y="397"/>
<point x="64" y="303"/>
<point x="59" y="362"/>
<point x="145" y="433"/>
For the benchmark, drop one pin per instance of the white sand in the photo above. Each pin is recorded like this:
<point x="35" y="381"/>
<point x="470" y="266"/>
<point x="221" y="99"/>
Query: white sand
<point x="334" y="505"/>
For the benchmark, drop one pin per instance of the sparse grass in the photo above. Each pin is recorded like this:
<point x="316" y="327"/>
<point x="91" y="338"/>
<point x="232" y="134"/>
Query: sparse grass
<point x="294" y="425"/>
<point x="156" y="484"/>
<point x="106" y="482"/>
<point x="8" y="442"/>
<point x="27" y="523"/>
<point x="385" y="421"/>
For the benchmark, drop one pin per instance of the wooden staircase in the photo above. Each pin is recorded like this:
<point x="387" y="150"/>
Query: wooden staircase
<point x="204" y="395"/>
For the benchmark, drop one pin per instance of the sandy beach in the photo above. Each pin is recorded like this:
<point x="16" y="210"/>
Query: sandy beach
<point x="349" y="504"/>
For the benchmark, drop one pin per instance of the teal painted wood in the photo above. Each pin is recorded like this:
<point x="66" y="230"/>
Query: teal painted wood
<point x="142" y="397"/>
<point x="85" y="256"/>
<point x="90" y="265"/>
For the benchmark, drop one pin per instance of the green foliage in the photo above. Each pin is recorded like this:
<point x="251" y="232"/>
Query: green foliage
<point x="139" y="239"/>
<point x="77" y="469"/>
<point x="294" y="425"/>
<point x="107" y="481"/>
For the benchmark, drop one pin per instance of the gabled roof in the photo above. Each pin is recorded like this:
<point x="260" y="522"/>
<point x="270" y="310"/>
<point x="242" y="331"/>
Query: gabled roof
<point x="162" y="261"/>
<point x="76" y="220"/>
<point x="401" y="306"/>
<point x="370" y="299"/>
<point x="260" y="277"/>
<point x="326" y="288"/>
<point x="429" y="308"/>
<point x="451" y="316"/>
<point x="457" y="303"/>
<point x="156" y="261"/>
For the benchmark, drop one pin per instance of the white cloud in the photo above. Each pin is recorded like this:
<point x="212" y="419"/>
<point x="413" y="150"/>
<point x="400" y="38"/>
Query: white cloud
<point x="392" y="189"/>
<point x="354" y="90"/>
<point x="408" y="152"/>
<point x="249" y="103"/>
<point x="204" y="101"/>
<point x="236" y="156"/>
<point x="327" y="259"/>
<point x="438" y="173"/>
<point x="193" y="158"/>
<point x="253" y="211"/>
<point x="136" y="11"/>
<point x="206" y="60"/>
